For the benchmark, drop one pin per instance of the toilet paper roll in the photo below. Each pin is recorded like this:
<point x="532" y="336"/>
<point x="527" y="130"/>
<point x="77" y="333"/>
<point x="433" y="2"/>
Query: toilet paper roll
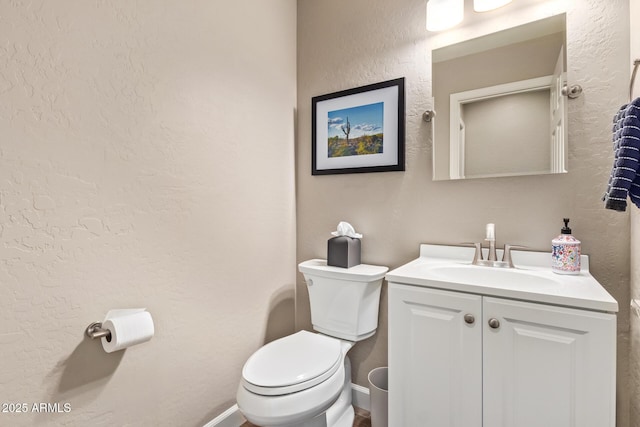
<point x="128" y="327"/>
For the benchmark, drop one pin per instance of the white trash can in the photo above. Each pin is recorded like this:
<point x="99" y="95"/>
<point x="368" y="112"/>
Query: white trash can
<point x="379" y="396"/>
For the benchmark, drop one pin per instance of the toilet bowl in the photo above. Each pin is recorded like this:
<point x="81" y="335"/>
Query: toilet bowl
<point x="295" y="379"/>
<point x="304" y="379"/>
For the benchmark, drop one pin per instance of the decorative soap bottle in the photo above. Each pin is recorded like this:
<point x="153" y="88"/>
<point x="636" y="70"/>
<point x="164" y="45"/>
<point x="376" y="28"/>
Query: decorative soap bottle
<point x="565" y="254"/>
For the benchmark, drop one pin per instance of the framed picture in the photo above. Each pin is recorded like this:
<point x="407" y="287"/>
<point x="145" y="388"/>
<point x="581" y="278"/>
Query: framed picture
<point x="359" y="130"/>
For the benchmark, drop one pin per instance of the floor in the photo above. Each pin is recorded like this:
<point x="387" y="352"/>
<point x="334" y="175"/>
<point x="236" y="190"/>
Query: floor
<point x="362" y="420"/>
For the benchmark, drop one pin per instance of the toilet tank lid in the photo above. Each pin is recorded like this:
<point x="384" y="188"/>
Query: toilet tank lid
<point x="360" y="272"/>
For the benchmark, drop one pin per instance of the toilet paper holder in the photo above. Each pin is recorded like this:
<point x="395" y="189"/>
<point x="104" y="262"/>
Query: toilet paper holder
<point x="95" y="330"/>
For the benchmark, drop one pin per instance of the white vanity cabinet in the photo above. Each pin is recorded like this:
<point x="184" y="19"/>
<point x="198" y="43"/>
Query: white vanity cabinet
<point x="547" y="366"/>
<point x="462" y="355"/>
<point x="459" y="359"/>
<point x="435" y="358"/>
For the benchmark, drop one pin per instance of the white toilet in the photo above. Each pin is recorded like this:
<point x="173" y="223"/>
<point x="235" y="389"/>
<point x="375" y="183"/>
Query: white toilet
<point x="304" y="379"/>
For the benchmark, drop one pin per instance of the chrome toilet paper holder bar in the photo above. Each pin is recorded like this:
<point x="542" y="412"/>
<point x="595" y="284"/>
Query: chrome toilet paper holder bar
<point x="95" y="330"/>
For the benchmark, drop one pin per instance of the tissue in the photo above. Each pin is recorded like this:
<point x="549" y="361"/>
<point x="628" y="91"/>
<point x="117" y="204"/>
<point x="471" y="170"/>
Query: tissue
<point x="346" y="229"/>
<point x="343" y="250"/>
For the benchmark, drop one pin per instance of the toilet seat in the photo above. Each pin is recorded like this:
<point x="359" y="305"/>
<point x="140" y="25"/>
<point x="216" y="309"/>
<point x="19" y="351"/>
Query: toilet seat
<point x="291" y="409"/>
<point x="292" y="364"/>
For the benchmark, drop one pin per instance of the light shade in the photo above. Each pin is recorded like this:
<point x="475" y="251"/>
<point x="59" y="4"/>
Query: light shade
<point x="487" y="5"/>
<point x="443" y="14"/>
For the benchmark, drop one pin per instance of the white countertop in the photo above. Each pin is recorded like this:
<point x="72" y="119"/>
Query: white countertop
<point x="578" y="291"/>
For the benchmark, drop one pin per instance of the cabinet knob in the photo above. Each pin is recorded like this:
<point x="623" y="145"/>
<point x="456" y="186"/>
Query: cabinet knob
<point x="469" y="319"/>
<point x="494" y="323"/>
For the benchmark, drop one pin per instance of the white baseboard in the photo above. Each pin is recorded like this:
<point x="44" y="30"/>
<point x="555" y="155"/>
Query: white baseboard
<point x="360" y="397"/>
<point x="229" y="418"/>
<point x="233" y="418"/>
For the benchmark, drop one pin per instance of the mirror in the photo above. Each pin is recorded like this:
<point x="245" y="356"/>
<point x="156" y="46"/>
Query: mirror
<point x="501" y="110"/>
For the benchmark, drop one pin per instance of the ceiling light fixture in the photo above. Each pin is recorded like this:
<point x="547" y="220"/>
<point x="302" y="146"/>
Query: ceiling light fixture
<point x="444" y="14"/>
<point x="487" y="5"/>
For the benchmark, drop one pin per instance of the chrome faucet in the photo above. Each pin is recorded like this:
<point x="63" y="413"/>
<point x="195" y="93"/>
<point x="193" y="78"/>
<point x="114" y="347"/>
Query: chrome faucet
<point x="491" y="238"/>
<point x="492" y="259"/>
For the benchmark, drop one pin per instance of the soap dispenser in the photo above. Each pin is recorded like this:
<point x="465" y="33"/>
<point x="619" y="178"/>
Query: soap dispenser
<point x="565" y="254"/>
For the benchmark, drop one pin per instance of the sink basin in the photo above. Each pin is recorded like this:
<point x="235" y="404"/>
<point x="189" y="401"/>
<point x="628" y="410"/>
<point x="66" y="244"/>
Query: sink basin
<point x="449" y="268"/>
<point x="489" y="276"/>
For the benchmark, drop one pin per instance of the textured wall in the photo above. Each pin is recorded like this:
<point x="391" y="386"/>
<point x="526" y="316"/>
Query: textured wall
<point x="634" y="355"/>
<point x="146" y="160"/>
<point x="348" y="44"/>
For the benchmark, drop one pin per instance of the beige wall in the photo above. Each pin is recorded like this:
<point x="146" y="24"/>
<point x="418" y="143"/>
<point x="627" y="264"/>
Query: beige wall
<point x="348" y="44"/>
<point x="514" y="127"/>
<point x="634" y="359"/>
<point x="146" y="160"/>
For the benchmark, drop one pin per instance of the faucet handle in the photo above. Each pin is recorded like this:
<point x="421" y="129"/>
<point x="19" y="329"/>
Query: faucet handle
<point x="477" y="256"/>
<point x="506" y="256"/>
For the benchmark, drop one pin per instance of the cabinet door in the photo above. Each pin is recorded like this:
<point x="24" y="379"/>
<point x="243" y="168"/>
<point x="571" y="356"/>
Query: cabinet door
<point x="547" y="366"/>
<point x="435" y="358"/>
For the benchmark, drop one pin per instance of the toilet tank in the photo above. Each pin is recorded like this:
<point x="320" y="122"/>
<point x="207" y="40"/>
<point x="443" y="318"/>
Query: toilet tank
<point x="344" y="301"/>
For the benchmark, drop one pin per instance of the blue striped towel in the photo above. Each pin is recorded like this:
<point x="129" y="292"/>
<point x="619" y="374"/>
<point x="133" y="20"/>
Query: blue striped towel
<point x="625" y="174"/>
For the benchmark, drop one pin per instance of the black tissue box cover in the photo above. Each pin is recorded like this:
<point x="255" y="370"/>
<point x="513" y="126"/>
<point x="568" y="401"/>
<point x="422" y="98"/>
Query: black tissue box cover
<point x="343" y="251"/>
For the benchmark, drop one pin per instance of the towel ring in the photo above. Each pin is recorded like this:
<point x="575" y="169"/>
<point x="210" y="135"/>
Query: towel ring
<point x="636" y="63"/>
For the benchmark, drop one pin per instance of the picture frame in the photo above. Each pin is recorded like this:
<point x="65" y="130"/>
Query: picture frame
<point x="359" y="130"/>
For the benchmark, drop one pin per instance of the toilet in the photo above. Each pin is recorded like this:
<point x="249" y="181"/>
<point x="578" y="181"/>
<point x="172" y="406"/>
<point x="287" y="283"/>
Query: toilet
<point x="304" y="379"/>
